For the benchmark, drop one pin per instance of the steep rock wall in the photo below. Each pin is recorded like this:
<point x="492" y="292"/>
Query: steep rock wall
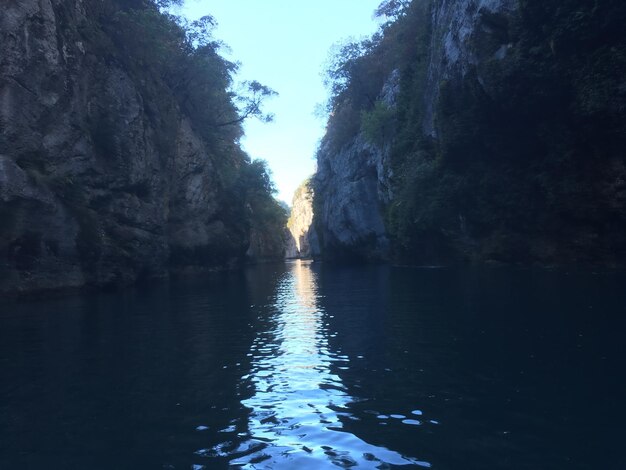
<point x="352" y="186"/>
<point x="348" y="213"/>
<point x="354" y="182"/>
<point x="100" y="181"/>
<point x="508" y="142"/>
<point x="463" y="41"/>
<point x="302" y="239"/>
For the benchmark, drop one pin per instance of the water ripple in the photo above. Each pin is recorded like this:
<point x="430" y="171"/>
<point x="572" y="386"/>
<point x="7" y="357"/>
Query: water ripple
<point x="296" y="411"/>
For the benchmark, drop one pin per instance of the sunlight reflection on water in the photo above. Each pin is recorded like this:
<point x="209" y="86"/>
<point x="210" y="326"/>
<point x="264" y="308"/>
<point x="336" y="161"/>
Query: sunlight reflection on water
<point x="298" y="401"/>
<point x="315" y="366"/>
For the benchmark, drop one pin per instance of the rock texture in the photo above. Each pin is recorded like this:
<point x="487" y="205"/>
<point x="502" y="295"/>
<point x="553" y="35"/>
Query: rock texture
<point x="352" y="187"/>
<point x="353" y="183"/>
<point x="458" y="27"/>
<point x="508" y="143"/>
<point x="99" y="183"/>
<point x="302" y="239"/>
<point x="349" y="217"/>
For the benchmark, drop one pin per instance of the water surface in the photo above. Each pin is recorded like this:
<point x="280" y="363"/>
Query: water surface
<point x="305" y="365"/>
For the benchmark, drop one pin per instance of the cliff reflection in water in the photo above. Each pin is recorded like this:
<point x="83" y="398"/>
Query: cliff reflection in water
<point x="298" y="404"/>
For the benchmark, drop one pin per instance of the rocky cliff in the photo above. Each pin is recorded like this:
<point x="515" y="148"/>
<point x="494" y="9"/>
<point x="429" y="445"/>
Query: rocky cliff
<point x="302" y="239"/>
<point x="505" y="142"/>
<point x="465" y="36"/>
<point x="349" y="210"/>
<point x="352" y="187"/>
<point x="105" y="176"/>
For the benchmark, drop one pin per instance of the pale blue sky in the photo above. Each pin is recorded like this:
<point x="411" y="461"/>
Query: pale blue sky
<point x="284" y="44"/>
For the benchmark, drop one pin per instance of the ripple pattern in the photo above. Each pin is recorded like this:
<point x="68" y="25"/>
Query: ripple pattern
<point x="298" y="403"/>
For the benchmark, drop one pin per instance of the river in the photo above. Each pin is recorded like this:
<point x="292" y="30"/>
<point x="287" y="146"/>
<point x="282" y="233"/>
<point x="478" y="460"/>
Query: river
<point x="308" y="366"/>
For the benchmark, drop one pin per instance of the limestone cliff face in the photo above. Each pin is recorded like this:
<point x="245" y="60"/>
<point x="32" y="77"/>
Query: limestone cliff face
<point x="464" y="38"/>
<point x="302" y="240"/>
<point x="353" y="182"/>
<point x="508" y="138"/>
<point x="352" y="187"/>
<point x="99" y="183"/>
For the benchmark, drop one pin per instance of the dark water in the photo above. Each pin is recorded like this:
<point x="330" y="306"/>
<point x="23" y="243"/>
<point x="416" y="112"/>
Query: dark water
<point x="306" y="366"/>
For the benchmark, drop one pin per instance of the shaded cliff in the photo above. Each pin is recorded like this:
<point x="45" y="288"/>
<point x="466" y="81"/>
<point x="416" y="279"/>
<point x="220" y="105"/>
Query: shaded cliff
<point x="352" y="187"/>
<point x="119" y="156"/>
<point x="505" y="142"/>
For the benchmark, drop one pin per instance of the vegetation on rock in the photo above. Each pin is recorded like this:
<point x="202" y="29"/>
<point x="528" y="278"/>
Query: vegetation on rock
<point x="181" y="64"/>
<point x="120" y="138"/>
<point x="524" y="161"/>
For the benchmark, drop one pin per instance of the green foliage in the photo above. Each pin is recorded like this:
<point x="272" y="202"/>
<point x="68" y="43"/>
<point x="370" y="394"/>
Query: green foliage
<point x="251" y="101"/>
<point x="186" y="56"/>
<point x="461" y="123"/>
<point x="356" y="71"/>
<point x="519" y="151"/>
<point x="168" y="3"/>
<point x="342" y="126"/>
<point x="378" y="123"/>
<point x="254" y="186"/>
<point x="267" y="217"/>
<point x="346" y="74"/>
<point x="181" y="74"/>
<point x="255" y="178"/>
<point x="529" y="143"/>
<point x="393" y="9"/>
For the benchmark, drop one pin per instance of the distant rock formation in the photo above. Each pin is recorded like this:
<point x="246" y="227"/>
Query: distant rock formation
<point x="302" y="241"/>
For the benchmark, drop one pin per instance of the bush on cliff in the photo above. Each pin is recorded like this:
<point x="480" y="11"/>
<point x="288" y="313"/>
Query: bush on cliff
<point x="526" y="161"/>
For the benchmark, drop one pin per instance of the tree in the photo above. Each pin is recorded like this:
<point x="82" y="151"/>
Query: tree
<point x="378" y="123"/>
<point x="392" y="9"/>
<point x="256" y="178"/>
<point x="168" y="3"/>
<point x="349" y="71"/>
<point x="200" y="32"/>
<point x="251" y="101"/>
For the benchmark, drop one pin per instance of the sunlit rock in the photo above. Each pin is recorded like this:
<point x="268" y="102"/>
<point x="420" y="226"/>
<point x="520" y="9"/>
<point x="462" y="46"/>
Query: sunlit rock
<point x="302" y="242"/>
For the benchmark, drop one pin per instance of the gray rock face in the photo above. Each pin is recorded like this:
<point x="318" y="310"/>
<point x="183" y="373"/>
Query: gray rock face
<point x="457" y="26"/>
<point x="42" y="251"/>
<point x="354" y="182"/>
<point x="353" y="187"/>
<point x="95" y="187"/>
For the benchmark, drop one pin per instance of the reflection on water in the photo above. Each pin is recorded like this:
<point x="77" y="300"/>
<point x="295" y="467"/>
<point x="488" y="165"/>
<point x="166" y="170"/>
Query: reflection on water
<point x="298" y="402"/>
<point x="317" y="366"/>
